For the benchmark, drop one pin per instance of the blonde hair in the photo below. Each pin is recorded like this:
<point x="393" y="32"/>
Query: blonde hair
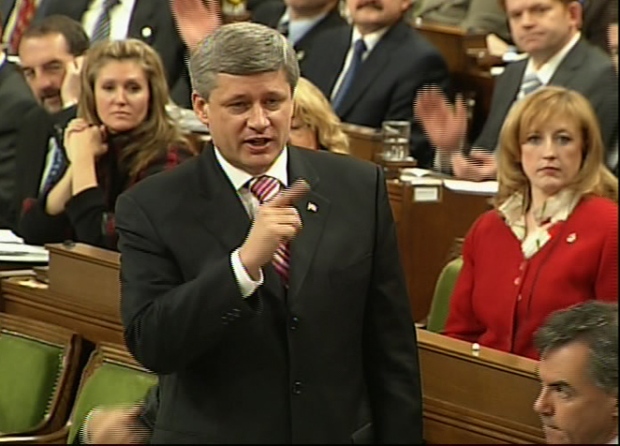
<point x="152" y="137"/>
<point x="311" y="107"/>
<point x="535" y="109"/>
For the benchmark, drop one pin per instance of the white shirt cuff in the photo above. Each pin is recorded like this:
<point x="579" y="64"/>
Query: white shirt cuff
<point x="247" y="286"/>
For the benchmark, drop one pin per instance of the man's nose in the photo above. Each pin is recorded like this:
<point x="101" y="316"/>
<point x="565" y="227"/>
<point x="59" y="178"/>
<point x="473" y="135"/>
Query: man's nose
<point x="541" y="404"/>
<point x="258" y="119"/>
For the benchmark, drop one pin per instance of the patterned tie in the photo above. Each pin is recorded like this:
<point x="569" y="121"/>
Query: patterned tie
<point x="530" y="83"/>
<point x="24" y="16"/>
<point x="359" y="48"/>
<point x="58" y="162"/>
<point x="265" y="188"/>
<point x="102" y="27"/>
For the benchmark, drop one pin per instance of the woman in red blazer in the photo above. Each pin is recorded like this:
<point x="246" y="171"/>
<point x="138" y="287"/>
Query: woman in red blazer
<point x="552" y="239"/>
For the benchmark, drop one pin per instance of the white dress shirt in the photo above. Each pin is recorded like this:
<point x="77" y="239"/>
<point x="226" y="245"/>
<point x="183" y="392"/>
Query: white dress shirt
<point x="548" y="69"/>
<point x="297" y="28"/>
<point x="239" y="179"/>
<point x="120" y="16"/>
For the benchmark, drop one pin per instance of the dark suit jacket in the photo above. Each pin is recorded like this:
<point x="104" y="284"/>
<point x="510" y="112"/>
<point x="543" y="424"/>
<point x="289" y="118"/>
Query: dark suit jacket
<point x="155" y="15"/>
<point x="313" y="365"/>
<point x="585" y="69"/>
<point x="596" y="19"/>
<point x="16" y="100"/>
<point x="386" y="84"/>
<point x="32" y="148"/>
<point x="269" y="13"/>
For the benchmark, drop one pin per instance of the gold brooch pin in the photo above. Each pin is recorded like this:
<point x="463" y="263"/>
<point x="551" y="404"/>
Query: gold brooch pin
<point x="571" y="238"/>
<point x="312" y="207"/>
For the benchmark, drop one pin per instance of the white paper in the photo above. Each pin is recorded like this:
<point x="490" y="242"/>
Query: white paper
<point x="7" y="236"/>
<point x="415" y="172"/>
<point x="472" y="187"/>
<point x="426" y="194"/>
<point x="13" y="250"/>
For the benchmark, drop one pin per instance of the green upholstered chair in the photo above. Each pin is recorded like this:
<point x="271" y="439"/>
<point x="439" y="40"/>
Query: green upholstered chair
<point x="38" y="368"/>
<point x="111" y="377"/>
<point x="440" y="304"/>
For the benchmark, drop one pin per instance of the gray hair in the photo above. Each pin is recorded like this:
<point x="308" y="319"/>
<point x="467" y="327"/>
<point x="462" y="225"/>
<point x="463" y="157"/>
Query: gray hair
<point x="241" y="49"/>
<point x="594" y="323"/>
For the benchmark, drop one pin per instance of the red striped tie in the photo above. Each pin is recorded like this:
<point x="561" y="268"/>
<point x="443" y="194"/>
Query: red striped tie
<point x="25" y="14"/>
<point x="265" y="188"/>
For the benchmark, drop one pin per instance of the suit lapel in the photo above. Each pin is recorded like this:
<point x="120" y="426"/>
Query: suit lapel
<point x="331" y="61"/>
<point x="6" y="6"/>
<point x="372" y="67"/>
<point x="313" y="210"/>
<point x="76" y="9"/>
<point x="564" y="74"/>
<point x="220" y="210"/>
<point x="142" y="23"/>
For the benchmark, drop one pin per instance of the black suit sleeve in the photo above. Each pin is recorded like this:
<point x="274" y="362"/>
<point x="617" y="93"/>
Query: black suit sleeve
<point x="170" y="321"/>
<point x="390" y="354"/>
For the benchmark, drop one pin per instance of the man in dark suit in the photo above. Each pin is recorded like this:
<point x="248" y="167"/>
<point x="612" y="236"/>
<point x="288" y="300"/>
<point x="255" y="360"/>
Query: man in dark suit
<point x="261" y="330"/>
<point x="150" y="21"/>
<point x="396" y="62"/>
<point x="301" y="21"/>
<point x="548" y="31"/>
<point x="51" y="53"/>
<point x="15" y="101"/>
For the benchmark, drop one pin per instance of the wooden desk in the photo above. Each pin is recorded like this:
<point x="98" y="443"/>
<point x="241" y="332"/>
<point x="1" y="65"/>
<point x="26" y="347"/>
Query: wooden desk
<point x="426" y="232"/>
<point x="364" y="142"/>
<point x="83" y="293"/>
<point x="485" y="398"/>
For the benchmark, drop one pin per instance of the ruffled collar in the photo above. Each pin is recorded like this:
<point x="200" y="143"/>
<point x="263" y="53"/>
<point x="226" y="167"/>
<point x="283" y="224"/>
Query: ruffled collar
<point x="555" y="209"/>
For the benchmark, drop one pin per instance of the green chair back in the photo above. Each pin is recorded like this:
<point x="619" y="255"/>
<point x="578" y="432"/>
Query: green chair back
<point x="29" y="370"/>
<point x="110" y="384"/>
<point x="441" y="299"/>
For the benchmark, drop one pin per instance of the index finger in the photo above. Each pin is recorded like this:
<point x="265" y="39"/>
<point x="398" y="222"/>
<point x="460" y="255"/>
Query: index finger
<point x="288" y="197"/>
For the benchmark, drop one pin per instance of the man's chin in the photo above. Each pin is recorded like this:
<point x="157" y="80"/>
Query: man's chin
<point x="52" y="105"/>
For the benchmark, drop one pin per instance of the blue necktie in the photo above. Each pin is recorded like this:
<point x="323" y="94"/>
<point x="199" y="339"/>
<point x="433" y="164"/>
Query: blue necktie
<point x="530" y="83"/>
<point x="102" y="27"/>
<point x="58" y="162"/>
<point x="359" y="49"/>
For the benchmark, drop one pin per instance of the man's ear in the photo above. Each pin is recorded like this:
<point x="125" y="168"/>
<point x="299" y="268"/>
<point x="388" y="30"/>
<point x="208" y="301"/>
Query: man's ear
<point x="201" y="108"/>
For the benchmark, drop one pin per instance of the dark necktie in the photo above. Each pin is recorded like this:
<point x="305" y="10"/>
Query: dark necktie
<point x="264" y="189"/>
<point x="102" y="27"/>
<point x="359" y="48"/>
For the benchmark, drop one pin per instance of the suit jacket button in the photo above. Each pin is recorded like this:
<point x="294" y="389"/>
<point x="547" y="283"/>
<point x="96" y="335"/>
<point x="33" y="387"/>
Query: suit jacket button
<point x="294" y="323"/>
<point x="297" y="388"/>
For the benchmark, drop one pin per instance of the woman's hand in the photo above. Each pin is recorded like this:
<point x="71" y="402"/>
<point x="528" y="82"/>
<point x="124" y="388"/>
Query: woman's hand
<point x="83" y="140"/>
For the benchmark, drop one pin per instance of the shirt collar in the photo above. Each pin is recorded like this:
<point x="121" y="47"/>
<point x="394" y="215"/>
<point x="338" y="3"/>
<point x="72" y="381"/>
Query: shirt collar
<point x="239" y="178"/>
<point x="370" y="39"/>
<point x="298" y="28"/>
<point x="547" y="70"/>
<point x="556" y="208"/>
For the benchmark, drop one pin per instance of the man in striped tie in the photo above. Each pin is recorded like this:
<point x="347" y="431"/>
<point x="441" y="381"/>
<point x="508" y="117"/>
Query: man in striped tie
<point x="262" y="281"/>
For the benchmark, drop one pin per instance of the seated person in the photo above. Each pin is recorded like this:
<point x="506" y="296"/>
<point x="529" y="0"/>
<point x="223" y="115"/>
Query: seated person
<point x="122" y="134"/>
<point x="315" y="125"/>
<point x="473" y="16"/>
<point x="51" y="53"/>
<point x="548" y="31"/>
<point x="578" y="372"/>
<point x="372" y="70"/>
<point x="552" y="240"/>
